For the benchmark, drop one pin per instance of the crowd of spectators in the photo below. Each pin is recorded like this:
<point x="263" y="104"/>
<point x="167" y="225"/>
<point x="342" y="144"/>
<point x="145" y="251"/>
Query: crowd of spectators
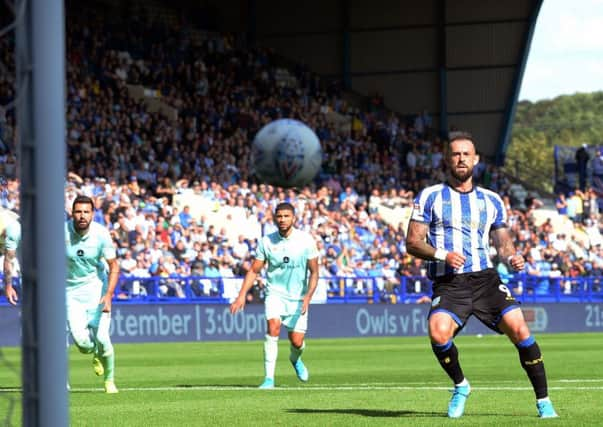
<point x="135" y="163"/>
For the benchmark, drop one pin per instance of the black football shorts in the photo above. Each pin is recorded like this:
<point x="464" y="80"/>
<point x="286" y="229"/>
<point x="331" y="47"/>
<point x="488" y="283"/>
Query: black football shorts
<point x="481" y="294"/>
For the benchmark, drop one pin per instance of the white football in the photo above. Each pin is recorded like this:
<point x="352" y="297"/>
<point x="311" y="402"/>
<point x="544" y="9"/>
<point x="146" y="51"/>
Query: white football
<point x="286" y="153"/>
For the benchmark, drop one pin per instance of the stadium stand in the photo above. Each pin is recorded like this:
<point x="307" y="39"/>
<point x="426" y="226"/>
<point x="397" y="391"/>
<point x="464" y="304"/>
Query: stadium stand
<point x="159" y="119"/>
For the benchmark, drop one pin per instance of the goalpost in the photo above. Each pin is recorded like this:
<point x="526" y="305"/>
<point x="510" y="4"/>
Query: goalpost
<point x="40" y="101"/>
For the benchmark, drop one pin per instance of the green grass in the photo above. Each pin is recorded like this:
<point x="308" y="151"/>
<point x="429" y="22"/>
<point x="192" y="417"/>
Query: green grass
<point x="353" y="382"/>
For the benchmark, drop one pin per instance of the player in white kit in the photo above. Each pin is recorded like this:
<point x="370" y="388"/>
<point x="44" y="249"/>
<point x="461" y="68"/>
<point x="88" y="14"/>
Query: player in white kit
<point x="89" y="291"/>
<point x="290" y="254"/>
<point x="10" y="236"/>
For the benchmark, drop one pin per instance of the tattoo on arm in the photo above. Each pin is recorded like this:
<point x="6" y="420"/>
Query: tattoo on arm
<point x="9" y="256"/>
<point x="416" y="243"/>
<point x="503" y="242"/>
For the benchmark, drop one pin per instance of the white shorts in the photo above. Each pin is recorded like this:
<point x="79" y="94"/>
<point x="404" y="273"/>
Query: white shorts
<point x="83" y="308"/>
<point x="287" y="311"/>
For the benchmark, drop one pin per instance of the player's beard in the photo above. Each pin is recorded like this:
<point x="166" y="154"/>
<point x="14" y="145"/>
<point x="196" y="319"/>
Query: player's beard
<point x="81" y="226"/>
<point x="462" y="175"/>
<point x="284" y="229"/>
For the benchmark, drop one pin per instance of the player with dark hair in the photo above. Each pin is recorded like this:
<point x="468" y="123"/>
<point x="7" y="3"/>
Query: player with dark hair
<point x="451" y="226"/>
<point x="89" y="293"/>
<point x="289" y="253"/>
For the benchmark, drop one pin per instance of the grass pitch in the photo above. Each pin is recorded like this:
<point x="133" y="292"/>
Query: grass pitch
<point x="353" y="382"/>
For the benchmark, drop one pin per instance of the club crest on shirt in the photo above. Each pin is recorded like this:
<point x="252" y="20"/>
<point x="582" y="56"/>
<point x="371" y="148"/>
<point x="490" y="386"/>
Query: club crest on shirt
<point x="80" y="252"/>
<point x="285" y="259"/>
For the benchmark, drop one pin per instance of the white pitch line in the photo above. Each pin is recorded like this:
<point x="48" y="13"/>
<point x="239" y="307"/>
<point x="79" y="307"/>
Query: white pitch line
<point x="326" y="388"/>
<point x="482" y="382"/>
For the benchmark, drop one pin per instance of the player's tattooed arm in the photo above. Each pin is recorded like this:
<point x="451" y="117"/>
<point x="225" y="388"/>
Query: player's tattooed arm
<point x="503" y="242"/>
<point x="9" y="256"/>
<point x="416" y="241"/>
<point x="505" y="247"/>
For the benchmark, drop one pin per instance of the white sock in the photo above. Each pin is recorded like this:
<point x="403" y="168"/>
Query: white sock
<point x="544" y="399"/>
<point x="296" y="352"/>
<point x="270" y="355"/>
<point x="463" y="383"/>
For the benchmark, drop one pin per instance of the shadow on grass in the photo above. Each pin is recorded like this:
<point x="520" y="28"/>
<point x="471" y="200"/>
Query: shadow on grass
<point x="245" y="386"/>
<point x="384" y="413"/>
<point x="380" y="413"/>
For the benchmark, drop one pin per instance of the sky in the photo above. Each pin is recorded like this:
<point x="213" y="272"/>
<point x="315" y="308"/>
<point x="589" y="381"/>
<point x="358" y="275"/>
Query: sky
<point x="566" y="55"/>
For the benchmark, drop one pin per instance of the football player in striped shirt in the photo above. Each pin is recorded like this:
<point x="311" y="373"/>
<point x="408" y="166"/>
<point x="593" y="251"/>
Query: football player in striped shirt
<point x="451" y="226"/>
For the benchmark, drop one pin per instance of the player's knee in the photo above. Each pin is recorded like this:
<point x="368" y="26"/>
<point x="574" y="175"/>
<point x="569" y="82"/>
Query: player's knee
<point x="519" y="333"/>
<point x="440" y="332"/>
<point x="274" y="328"/>
<point x="297" y="342"/>
<point x="105" y="347"/>
<point x="83" y="342"/>
<point x="107" y="351"/>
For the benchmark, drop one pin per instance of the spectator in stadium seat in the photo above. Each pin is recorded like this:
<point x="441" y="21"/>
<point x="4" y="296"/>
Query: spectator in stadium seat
<point x="575" y="206"/>
<point x="289" y="253"/>
<point x="561" y="204"/>
<point x="589" y="203"/>
<point x="415" y="273"/>
<point x="543" y="285"/>
<point x="166" y="188"/>
<point x="450" y="212"/>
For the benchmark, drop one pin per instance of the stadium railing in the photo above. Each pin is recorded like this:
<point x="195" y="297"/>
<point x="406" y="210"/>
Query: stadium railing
<point x="347" y="290"/>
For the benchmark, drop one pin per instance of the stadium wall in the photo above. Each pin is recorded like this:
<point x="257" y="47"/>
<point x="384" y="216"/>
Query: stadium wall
<point x="134" y="323"/>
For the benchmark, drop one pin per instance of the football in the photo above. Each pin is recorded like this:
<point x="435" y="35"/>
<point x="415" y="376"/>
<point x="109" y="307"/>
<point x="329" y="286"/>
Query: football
<point x="286" y="153"/>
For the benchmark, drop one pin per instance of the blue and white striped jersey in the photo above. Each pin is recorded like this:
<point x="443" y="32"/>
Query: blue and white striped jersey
<point x="459" y="222"/>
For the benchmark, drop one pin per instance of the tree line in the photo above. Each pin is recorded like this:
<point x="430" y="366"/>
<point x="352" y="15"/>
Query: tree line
<point x="568" y="120"/>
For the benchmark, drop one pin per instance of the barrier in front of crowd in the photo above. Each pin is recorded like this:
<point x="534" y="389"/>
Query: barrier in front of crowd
<point x="347" y="290"/>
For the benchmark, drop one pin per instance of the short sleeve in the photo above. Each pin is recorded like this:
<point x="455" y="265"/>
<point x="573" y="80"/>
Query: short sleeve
<point x="13" y="236"/>
<point x="312" y="248"/>
<point x="260" y="252"/>
<point x="107" y="245"/>
<point x="421" y="208"/>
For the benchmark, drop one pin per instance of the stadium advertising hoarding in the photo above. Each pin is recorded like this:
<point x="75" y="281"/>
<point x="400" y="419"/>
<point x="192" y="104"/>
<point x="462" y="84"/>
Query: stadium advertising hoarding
<point x="212" y="322"/>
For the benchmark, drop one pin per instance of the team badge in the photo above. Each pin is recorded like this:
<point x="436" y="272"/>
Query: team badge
<point x="80" y="252"/>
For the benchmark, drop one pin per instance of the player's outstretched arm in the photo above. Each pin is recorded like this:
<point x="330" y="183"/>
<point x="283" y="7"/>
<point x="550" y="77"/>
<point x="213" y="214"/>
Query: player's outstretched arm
<point x="239" y="302"/>
<point x="505" y="248"/>
<point x="416" y="245"/>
